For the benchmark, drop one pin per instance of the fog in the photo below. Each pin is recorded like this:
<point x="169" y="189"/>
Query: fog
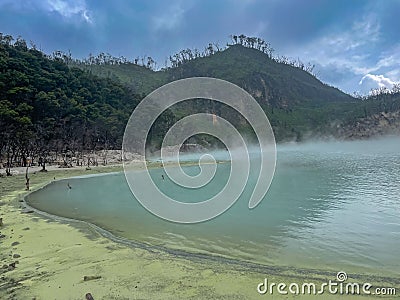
<point x="386" y="144"/>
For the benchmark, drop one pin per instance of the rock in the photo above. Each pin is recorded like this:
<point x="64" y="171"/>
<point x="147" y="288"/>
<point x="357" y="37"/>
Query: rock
<point x="11" y="266"/>
<point x="14" y="244"/>
<point x="89" y="296"/>
<point x="26" y="228"/>
<point x="2" y="236"/>
<point x="1" y="222"/>
<point x="26" y="211"/>
<point x="5" y="266"/>
<point x="16" y="255"/>
<point x="88" y="278"/>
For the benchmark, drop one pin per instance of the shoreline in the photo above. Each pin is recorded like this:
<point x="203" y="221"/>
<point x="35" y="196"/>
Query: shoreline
<point x="291" y="271"/>
<point x="240" y="278"/>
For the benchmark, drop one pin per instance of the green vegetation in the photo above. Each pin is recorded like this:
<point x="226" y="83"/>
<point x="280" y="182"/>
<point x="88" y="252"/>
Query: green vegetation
<point x="46" y="106"/>
<point x="59" y="104"/>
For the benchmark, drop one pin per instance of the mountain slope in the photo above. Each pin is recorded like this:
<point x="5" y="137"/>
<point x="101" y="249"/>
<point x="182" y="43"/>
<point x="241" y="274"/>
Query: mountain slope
<point x="271" y="83"/>
<point x="297" y="104"/>
<point x="50" y="106"/>
<point x="47" y="107"/>
<point x="139" y="78"/>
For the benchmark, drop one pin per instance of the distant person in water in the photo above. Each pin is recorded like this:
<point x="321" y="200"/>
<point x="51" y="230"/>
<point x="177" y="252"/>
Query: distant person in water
<point x="68" y="185"/>
<point x="162" y="176"/>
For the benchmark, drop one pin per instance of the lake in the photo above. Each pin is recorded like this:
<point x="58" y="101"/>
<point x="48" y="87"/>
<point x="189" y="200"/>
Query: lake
<point x="331" y="206"/>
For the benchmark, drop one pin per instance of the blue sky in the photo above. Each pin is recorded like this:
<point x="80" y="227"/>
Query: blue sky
<point x="355" y="44"/>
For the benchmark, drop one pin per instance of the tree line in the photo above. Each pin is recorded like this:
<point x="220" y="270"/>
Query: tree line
<point x="51" y="109"/>
<point x="181" y="57"/>
<point x="48" y="109"/>
<point x="251" y="42"/>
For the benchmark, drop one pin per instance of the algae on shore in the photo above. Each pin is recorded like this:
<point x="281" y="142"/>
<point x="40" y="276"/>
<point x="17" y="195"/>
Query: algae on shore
<point x="52" y="258"/>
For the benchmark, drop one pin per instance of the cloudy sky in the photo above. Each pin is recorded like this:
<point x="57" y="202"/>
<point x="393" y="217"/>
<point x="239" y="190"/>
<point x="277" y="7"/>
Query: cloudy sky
<point x="355" y="45"/>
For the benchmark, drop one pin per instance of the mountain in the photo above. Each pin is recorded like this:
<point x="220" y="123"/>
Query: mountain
<point x="54" y="104"/>
<point x="296" y="102"/>
<point x="270" y="82"/>
<point x="45" y="106"/>
<point x="139" y="78"/>
<point x="378" y="115"/>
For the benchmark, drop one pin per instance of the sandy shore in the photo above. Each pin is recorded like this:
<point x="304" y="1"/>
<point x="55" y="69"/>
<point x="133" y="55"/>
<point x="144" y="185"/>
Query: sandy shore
<point x="52" y="258"/>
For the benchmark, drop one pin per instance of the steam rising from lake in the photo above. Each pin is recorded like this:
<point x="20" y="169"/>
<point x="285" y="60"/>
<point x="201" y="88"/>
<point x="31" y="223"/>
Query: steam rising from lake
<point x="387" y="144"/>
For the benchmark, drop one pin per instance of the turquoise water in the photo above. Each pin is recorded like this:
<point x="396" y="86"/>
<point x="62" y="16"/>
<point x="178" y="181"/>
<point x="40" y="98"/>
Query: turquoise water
<point x="332" y="206"/>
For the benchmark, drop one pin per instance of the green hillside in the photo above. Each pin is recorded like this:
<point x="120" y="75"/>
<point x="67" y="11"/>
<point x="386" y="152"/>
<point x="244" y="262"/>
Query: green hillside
<point x="46" y="106"/>
<point x="271" y="83"/>
<point x="57" y="104"/>
<point x="139" y="78"/>
<point x="296" y="102"/>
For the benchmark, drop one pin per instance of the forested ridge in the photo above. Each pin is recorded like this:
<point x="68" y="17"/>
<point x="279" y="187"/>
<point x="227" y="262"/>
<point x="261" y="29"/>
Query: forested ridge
<point x="298" y="104"/>
<point x="54" y="104"/>
<point x="45" y="106"/>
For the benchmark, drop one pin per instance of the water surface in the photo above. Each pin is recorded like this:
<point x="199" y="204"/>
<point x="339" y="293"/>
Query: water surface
<point x="332" y="206"/>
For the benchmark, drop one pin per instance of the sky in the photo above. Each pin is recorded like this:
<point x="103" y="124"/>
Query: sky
<point x="355" y="44"/>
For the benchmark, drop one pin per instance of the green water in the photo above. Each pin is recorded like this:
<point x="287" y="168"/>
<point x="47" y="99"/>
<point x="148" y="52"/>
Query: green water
<point x="333" y="206"/>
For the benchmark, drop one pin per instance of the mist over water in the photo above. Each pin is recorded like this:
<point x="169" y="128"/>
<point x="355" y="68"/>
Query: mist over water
<point x="219" y="155"/>
<point x="332" y="205"/>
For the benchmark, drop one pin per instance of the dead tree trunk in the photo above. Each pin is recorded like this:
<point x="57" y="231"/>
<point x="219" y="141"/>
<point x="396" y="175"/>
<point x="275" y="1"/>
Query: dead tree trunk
<point x="88" y="163"/>
<point x="44" y="165"/>
<point x="27" y="178"/>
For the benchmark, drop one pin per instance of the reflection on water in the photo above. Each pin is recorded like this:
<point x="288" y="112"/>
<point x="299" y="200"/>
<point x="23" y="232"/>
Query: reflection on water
<point x="331" y="205"/>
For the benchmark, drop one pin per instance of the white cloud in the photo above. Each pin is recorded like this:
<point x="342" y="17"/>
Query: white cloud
<point x="390" y="58"/>
<point x="357" y="52"/>
<point x="349" y="50"/>
<point x="371" y="81"/>
<point x="388" y="66"/>
<point x="368" y="29"/>
<point x="69" y="9"/>
<point x="362" y="32"/>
